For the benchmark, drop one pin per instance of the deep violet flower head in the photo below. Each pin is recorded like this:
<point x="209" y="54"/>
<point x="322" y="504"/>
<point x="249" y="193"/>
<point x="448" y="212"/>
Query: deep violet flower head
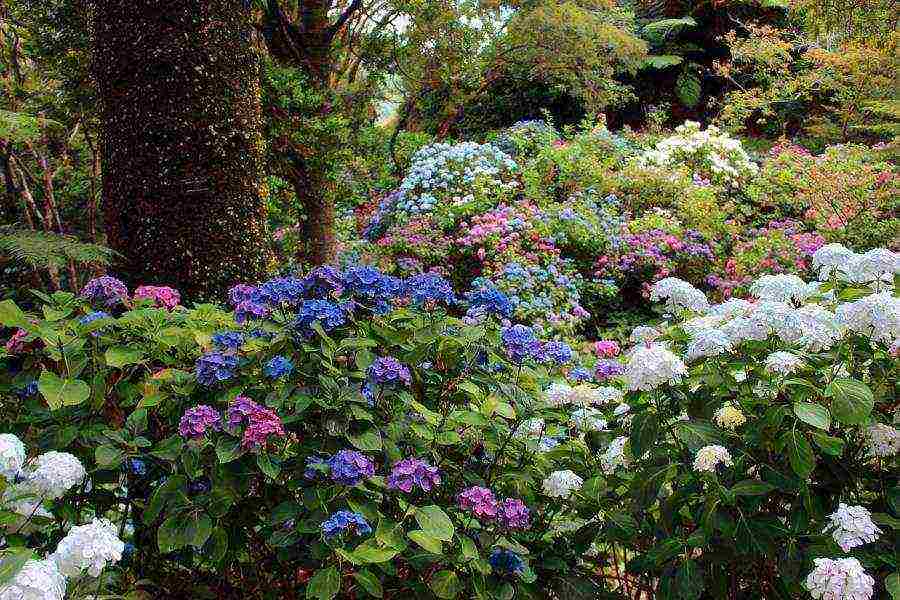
<point x="104" y="291"/>
<point x="248" y="310"/>
<point x="412" y="472"/>
<point x="241" y="293"/>
<point x="520" y="343"/>
<point x="513" y="514"/>
<point x="197" y="420"/>
<point x="387" y="370"/>
<point x="323" y="281"/>
<point x="214" y="367"/>
<point x="607" y="369"/>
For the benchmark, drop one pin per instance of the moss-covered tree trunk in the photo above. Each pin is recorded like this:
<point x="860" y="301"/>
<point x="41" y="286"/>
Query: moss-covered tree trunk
<point x="182" y="151"/>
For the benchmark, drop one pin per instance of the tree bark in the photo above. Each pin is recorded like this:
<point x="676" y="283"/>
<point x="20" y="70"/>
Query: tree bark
<point x="181" y="142"/>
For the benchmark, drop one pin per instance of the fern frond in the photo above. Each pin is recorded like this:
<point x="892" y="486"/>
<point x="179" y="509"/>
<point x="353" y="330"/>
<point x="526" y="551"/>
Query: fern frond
<point x="44" y="250"/>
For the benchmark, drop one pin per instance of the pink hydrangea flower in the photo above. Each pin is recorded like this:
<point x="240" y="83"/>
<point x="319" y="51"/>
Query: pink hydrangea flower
<point x="479" y="501"/>
<point x="607" y="348"/>
<point x="162" y="296"/>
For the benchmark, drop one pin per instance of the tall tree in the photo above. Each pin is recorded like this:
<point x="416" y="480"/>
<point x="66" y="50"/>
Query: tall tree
<point x="181" y="143"/>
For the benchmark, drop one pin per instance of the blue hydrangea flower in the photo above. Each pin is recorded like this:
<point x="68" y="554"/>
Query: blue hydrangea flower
<point x="488" y="300"/>
<point x="343" y="521"/>
<point x="279" y="366"/>
<point x="280" y="291"/>
<point x="506" y="562"/>
<point x="349" y="467"/>
<point x="228" y="340"/>
<point x="30" y="389"/>
<point x="429" y="287"/>
<point x="387" y="370"/>
<point x="580" y="374"/>
<point x="136" y="466"/>
<point x="215" y="367"/>
<point x="94" y="316"/>
<point x="327" y="314"/>
<point x="323" y="281"/>
<point x="520" y="343"/>
<point x="372" y="285"/>
<point x="558" y="353"/>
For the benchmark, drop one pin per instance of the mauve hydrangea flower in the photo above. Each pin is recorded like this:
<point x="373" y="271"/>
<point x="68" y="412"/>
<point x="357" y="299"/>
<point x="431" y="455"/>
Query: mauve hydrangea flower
<point x="261" y="424"/>
<point x="248" y="310"/>
<point x="387" y="369"/>
<point x="278" y="366"/>
<point x="488" y="300"/>
<point x="105" y="291"/>
<point x="479" y="501"/>
<point x="607" y="348"/>
<point x="228" y="340"/>
<point x="214" y="367"/>
<point x="241" y="293"/>
<point x="513" y="514"/>
<point x="239" y="411"/>
<point x="344" y="520"/>
<point x="607" y="369"/>
<point x="323" y="281"/>
<point x="429" y="287"/>
<point x="197" y="420"/>
<point x="162" y="296"/>
<point x="349" y="467"/>
<point x="506" y="562"/>
<point x="520" y="343"/>
<point x="411" y="472"/>
<point x="16" y="342"/>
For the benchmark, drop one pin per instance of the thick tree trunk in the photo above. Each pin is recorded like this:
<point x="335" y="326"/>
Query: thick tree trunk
<point x="317" y="240"/>
<point x="181" y="143"/>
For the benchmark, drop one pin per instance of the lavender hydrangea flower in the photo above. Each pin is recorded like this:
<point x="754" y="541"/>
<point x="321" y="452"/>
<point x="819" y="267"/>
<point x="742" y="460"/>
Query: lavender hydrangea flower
<point x="240" y="293"/>
<point x="343" y="521"/>
<point x="387" y="370"/>
<point x="214" y="367"/>
<point x="278" y="366"/>
<point x="513" y="514"/>
<point x="104" y="291"/>
<point x="411" y="472"/>
<point x="248" y="310"/>
<point x="239" y="411"/>
<point x="607" y="369"/>
<point x="479" y="501"/>
<point x="349" y="467"/>
<point x="197" y="420"/>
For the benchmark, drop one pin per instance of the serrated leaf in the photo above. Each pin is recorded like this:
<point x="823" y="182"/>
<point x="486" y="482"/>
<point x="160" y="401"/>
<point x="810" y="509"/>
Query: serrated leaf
<point x="800" y="454"/>
<point x="852" y="400"/>
<point x="367" y="440"/>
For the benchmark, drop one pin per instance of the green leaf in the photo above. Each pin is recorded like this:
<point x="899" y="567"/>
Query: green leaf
<point x="852" y="400"/>
<point x="644" y="430"/>
<point x="892" y="584"/>
<point x="829" y="445"/>
<point x="171" y="534"/>
<point x="11" y="562"/>
<point x="426" y="541"/>
<point x="325" y="584"/>
<point x="367" y="440"/>
<point x="199" y="530"/>
<point x="435" y="523"/>
<point x="120" y="356"/>
<point x="368" y="552"/>
<point x="369" y="582"/>
<point x="228" y="449"/>
<point x="813" y="414"/>
<point x="662" y="61"/>
<point x="267" y="465"/>
<point x="108" y="457"/>
<point x="445" y="584"/>
<point x="688" y="87"/>
<point x="751" y="487"/>
<point x="12" y="316"/>
<point x="59" y="392"/>
<point x="800" y="453"/>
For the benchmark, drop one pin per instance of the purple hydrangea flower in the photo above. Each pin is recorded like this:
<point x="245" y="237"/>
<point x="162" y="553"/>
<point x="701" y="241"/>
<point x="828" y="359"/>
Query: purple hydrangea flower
<point x="411" y="472"/>
<point x="513" y="514"/>
<point x="488" y="300"/>
<point x="429" y="287"/>
<point x="479" y="501"/>
<point x="520" y="343"/>
<point x="105" y="291"/>
<point x="344" y="520"/>
<point x="278" y="367"/>
<point x="241" y="293"/>
<point x="215" y="367"/>
<point x="195" y="421"/>
<point x="261" y="424"/>
<point x="228" y="340"/>
<point x="349" y="467"/>
<point x="506" y="562"/>
<point x="248" y="310"/>
<point x="607" y="369"/>
<point x="240" y="410"/>
<point x="387" y="369"/>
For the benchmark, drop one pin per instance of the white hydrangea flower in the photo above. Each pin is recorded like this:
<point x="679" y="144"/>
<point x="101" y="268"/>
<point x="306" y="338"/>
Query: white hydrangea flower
<point x="89" y="548"/>
<point x="558" y="394"/>
<point x="53" y="474"/>
<point x="621" y="409"/>
<point x="643" y="333"/>
<point x="742" y="329"/>
<point x="876" y="316"/>
<point x="587" y="419"/>
<point x="614" y="457"/>
<point x="561" y="484"/>
<point x="821" y="328"/>
<point x="883" y="440"/>
<point x="877" y="264"/>
<point x="851" y="526"/>
<point x="831" y="260"/>
<point x="606" y="394"/>
<point x="702" y="323"/>
<point x="707" y="342"/>
<point x="651" y="366"/>
<point x="779" y="318"/>
<point x="839" y="579"/>
<point x="783" y="363"/>
<point x="729" y="417"/>
<point x="679" y="294"/>
<point x="531" y="428"/>
<point x="780" y="288"/>
<point x="12" y="456"/>
<point x="731" y="308"/>
<point x="709" y="457"/>
<point x="38" y="580"/>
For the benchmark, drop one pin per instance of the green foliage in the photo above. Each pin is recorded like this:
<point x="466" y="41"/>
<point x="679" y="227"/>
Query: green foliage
<point x="44" y="250"/>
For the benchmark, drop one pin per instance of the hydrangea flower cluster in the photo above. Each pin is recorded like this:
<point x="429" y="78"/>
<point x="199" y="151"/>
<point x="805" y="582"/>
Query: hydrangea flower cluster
<point x="12" y="456"/>
<point x="196" y="421"/>
<point x="651" y="366"/>
<point x="52" y="474"/>
<point x="349" y="467"/>
<point x="506" y="562"/>
<point x="278" y="367"/>
<point x="479" y="501"/>
<point x="387" y="370"/>
<point x="839" y="579"/>
<point x="561" y="484"/>
<point x="679" y="295"/>
<point x="104" y="291"/>
<point x="160" y="296"/>
<point x="228" y="340"/>
<point x="883" y="440"/>
<point x="412" y="472"/>
<point x="852" y="526"/>
<point x="487" y="299"/>
<point x="260" y="422"/>
<point x="710" y="457"/>
<point x="344" y="521"/>
<point x="213" y="368"/>
<point x="37" y="580"/>
<point x="88" y="548"/>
